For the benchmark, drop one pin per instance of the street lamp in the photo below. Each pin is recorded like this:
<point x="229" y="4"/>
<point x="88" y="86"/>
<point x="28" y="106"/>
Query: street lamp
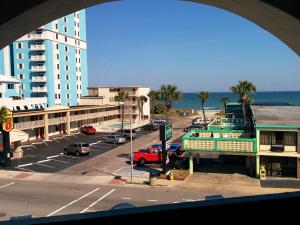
<point x="131" y="152"/>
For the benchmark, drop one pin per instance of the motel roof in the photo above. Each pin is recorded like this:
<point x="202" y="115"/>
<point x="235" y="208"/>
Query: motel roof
<point x="276" y="116"/>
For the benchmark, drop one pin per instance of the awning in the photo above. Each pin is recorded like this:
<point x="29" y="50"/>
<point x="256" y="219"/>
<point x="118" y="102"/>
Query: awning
<point x="8" y="79"/>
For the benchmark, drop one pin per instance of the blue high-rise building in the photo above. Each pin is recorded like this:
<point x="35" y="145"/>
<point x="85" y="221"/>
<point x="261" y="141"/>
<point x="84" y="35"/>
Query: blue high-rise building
<point x="51" y="61"/>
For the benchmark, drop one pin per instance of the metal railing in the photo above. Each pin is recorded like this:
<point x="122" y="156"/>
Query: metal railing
<point x="38" y="58"/>
<point x="37" y="47"/>
<point x="38" y="68"/>
<point x="39" y="79"/>
<point x="29" y="125"/>
<point x="57" y="120"/>
<point x="39" y="89"/>
<point x="93" y="115"/>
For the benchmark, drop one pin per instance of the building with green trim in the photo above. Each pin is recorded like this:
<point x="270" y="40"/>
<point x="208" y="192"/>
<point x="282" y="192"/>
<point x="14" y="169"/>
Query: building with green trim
<point x="270" y="142"/>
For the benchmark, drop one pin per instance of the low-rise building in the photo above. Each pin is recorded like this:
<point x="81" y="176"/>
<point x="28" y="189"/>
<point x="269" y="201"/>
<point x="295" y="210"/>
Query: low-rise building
<point x="270" y="142"/>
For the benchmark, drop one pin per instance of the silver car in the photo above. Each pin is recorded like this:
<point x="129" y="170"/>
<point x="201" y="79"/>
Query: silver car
<point x="114" y="139"/>
<point x="78" y="148"/>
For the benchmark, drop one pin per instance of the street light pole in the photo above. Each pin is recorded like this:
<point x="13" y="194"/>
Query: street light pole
<point x="131" y="147"/>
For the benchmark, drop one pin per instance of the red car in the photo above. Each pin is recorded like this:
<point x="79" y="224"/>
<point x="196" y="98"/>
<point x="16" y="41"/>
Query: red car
<point x="150" y="155"/>
<point x="88" y="130"/>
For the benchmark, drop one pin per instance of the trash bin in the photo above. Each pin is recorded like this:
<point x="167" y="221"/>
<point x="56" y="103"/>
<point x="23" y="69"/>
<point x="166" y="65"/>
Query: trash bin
<point x="152" y="179"/>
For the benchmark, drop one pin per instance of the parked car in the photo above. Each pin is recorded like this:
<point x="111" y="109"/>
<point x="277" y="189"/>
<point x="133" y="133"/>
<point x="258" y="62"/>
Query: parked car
<point x="78" y="148"/>
<point x="151" y="127"/>
<point x="159" y="121"/>
<point x="126" y="133"/>
<point x="114" y="139"/>
<point x="194" y="126"/>
<point x="175" y="149"/>
<point x="200" y="121"/>
<point x="88" y="130"/>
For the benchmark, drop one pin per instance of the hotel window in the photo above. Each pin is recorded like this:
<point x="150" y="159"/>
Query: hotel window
<point x="74" y="23"/>
<point x="75" y="33"/>
<point x="67" y="68"/>
<point x="57" y="66"/>
<point x="21" y="76"/>
<point x="22" y="86"/>
<point x="57" y="56"/>
<point x="78" y="42"/>
<point x="67" y="58"/>
<point x="79" y="60"/>
<point x="66" y="48"/>
<point x="66" y="39"/>
<point x="76" y="60"/>
<point x="78" y="34"/>
<point x="20" y="45"/>
<point x="65" y="29"/>
<point x="10" y="86"/>
<point x="68" y="96"/>
<point x="67" y="77"/>
<point x="65" y="19"/>
<point x="57" y="46"/>
<point x="58" y="96"/>
<point x="20" y="66"/>
<point x="58" y="76"/>
<point x="58" y="86"/>
<point x="78" y="51"/>
<point x="56" y="26"/>
<point x="68" y="86"/>
<point x="55" y="96"/>
<point x="56" y="36"/>
<point x="20" y="56"/>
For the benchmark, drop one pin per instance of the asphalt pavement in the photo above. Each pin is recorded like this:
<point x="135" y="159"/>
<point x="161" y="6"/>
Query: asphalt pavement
<point x="48" y="156"/>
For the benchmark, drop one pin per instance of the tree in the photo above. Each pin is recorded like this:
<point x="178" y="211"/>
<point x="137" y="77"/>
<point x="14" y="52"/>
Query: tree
<point x="122" y="97"/>
<point x="243" y="89"/>
<point x="154" y="99"/>
<point x="168" y="94"/>
<point x="203" y="96"/>
<point x="141" y="101"/>
<point x="224" y="100"/>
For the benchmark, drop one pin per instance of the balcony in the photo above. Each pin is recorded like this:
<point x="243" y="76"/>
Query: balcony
<point x="36" y="36"/>
<point x="38" y="58"/>
<point x="58" y="120"/>
<point x="230" y="142"/>
<point x="42" y="79"/>
<point x="39" y="89"/>
<point x="29" y="125"/>
<point x="38" y="69"/>
<point x="39" y="47"/>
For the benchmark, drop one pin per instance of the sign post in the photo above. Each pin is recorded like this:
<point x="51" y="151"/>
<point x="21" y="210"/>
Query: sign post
<point x="7" y="126"/>
<point x="165" y="133"/>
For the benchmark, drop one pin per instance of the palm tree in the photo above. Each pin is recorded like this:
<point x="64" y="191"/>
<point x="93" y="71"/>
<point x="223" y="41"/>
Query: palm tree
<point x="154" y="99"/>
<point x="5" y="135"/>
<point x="122" y="97"/>
<point x="169" y="94"/>
<point x="141" y="101"/>
<point x="243" y="88"/>
<point x="224" y="100"/>
<point x="203" y="96"/>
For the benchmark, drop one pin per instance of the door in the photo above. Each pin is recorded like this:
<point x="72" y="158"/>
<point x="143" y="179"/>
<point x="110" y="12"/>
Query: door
<point x="155" y="156"/>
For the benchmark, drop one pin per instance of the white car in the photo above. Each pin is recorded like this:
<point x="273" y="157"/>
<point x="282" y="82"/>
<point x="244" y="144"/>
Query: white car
<point x="200" y="121"/>
<point x="159" y="121"/>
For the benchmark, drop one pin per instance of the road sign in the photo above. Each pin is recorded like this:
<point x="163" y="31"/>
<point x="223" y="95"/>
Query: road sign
<point x="8" y="121"/>
<point x="168" y="144"/>
<point x="166" y="131"/>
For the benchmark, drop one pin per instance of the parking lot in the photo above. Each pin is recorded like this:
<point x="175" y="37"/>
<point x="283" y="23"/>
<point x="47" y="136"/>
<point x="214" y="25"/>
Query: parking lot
<point x="48" y="156"/>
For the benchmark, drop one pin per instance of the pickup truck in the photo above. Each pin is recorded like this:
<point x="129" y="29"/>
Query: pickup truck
<point x="150" y="155"/>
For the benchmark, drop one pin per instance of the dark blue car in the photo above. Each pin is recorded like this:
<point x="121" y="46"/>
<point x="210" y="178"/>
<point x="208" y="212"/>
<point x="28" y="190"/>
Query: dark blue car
<point x="174" y="148"/>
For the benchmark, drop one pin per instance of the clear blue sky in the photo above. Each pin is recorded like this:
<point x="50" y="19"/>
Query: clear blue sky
<point x="195" y="46"/>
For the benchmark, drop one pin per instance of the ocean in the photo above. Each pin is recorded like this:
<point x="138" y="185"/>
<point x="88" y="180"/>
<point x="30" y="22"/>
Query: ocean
<point x="190" y="100"/>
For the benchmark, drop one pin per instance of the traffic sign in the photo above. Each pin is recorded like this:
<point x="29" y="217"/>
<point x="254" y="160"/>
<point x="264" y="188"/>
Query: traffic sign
<point x="166" y="131"/>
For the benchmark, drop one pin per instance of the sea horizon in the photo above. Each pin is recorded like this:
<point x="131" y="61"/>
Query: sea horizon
<point x="190" y="99"/>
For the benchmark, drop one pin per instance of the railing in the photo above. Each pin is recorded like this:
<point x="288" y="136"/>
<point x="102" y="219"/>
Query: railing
<point x="38" y="58"/>
<point x="38" y="68"/>
<point x="233" y="141"/>
<point x="39" y="89"/>
<point x="93" y="115"/>
<point x="29" y="125"/>
<point x="37" y="47"/>
<point x="39" y="79"/>
<point x="57" y="120"/>
<point x="36" y="36"/>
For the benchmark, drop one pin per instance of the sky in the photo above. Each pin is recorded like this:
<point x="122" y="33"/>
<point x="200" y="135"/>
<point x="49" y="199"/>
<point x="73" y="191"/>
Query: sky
<point x="194" y="46"/>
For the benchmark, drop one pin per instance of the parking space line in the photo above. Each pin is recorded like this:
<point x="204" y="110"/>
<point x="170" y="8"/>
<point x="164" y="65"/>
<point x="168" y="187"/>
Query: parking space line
<point x="25" y="169"/>
<point x="70" y="156"/>
<point x="67" y="138"/>
<point x="23" y="165"/>
<point x="60" y="161"/>
<point x="46" y="160"/>
<point x="95" y="202"/>
<point x="39" y="164"/>
<point x="6" y="185"/>
<point x="71" y="203"/>
<point x="126" y="198"/>
<point x="52" y="156"/>
<point x="151" y="200"/>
